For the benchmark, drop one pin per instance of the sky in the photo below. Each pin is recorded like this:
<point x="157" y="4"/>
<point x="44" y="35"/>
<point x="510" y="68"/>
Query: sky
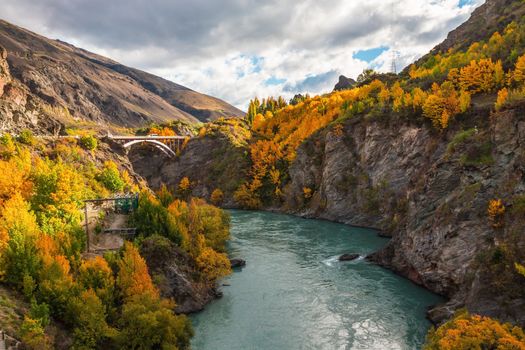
<point x="238" y="49"/>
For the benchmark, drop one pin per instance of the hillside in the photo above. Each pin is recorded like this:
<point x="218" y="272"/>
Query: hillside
<point x="99" y="90"/>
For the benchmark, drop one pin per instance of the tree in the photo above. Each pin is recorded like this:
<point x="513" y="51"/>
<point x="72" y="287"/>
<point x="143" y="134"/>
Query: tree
<point x="88" y="317"/>
<point x="18" y="233"/>
<point x="95" y="274"/>
<point x="110" y="177"/>
<point x="184" y="188"/>
<point x="518" y="75"/>
<point x="33" y="335"/>
<point x="503" y="96"/>
<point x="217" y="196"/>
<point x="495" y="212"/>
<point x="133" y="277"/>
<point x="465" y="332"/>
<point x="147" y="322"/>
<point x="481" y="76"/>
<point x="213" y="265"/>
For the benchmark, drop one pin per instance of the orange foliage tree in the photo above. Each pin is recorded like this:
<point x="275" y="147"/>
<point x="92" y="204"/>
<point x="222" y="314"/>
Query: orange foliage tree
<point x="467" y="331"/>
<point x="133" y="277"/>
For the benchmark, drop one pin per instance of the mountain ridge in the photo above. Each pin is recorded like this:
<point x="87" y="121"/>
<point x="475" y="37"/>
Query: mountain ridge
<point x="98" y="89"/>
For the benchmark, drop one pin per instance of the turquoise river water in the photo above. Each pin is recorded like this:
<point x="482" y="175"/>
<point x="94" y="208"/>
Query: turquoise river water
<point x="295" y="294"/>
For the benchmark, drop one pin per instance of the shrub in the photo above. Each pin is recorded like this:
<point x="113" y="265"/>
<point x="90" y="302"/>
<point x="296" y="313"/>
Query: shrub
<point x="495" y="212"/>
<point x="217" y="196"/>
<point x="110" y="177"/>
<point x="465" y="332"/>
<point x="7" y="146"/>
<point x="33" y="336"/>
<point x="184" y="188"/>
<point x="460" y="139"/>
<point x="89" y="142"/>
<point x="307" y="192"/>
<point x="26" y="137"/>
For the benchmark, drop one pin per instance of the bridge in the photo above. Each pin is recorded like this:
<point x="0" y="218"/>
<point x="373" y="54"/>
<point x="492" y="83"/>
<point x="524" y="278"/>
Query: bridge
<point x="169" y="145"/>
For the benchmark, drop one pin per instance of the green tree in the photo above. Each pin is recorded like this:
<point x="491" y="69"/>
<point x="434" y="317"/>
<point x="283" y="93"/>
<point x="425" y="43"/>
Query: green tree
<point x="148" y="323"/>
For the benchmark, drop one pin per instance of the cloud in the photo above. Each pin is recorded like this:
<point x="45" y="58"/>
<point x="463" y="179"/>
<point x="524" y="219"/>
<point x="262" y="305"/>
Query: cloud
<point x="237" y="49"/>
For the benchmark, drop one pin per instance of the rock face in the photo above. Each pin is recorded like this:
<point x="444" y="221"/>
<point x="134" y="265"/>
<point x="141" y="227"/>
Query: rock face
<point x="96" y="89"/>
<point x="174" y="271"/>
<point x="431" y="194"/>
<point x="19" y="109"/>
<point x="210" y="162"/>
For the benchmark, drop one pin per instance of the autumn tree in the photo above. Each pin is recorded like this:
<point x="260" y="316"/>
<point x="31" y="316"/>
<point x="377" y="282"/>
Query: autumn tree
<point x="148" y="322"/>
<point x="18" y="233"/>
<point x="95" y="274"/>
<point x="465" y="332"/>
<point x="88" y="317"/>
<point x="213" y="265"/>
<point x="217" y="196"/>
<point x="481" y="76"/>
<point x="495" y="212"/>
<point x="133" y="277"/>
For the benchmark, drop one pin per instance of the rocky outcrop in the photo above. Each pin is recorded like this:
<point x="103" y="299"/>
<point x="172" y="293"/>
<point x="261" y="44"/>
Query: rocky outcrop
<point x="174" y="274"/>
<point x="19" y="109"/>
<point x="237" y="263"/>
<point x="344" y="83"/>
<point x="348" y="257"/>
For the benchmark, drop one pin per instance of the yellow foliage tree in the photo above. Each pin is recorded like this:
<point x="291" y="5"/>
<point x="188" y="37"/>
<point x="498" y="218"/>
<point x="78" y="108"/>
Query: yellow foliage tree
<point x="217" y="196"/>
<point x="133" y="277"/>
<point x="503" y="96"/>
<point x="214" y="265"/>
<point x="466" y="332"/>
<point x="495" y="212"/>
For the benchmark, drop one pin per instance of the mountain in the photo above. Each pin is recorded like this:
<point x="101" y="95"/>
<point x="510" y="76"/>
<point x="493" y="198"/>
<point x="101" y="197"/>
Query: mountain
<point x="97" y="89"/>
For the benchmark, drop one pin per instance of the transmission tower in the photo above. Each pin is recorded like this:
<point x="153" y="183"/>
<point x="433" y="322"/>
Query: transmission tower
<point x="393" y="64"/>
<point x="395" y="54"/>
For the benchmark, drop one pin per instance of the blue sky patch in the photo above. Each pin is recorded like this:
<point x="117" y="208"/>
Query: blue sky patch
<point x="274" y="81"/>
<point x="370" y="54"/>
<point x="465" y="2"/>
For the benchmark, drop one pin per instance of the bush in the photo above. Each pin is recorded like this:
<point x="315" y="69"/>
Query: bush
<point x="465" y="332"/>
<point x="89" y="142"/>
<point x="151" y="218"/>
<point x="26" y="137"/>
<point x="7" y="146"/>
<point x="217" y="196"/>
<point x="110" y="177"/>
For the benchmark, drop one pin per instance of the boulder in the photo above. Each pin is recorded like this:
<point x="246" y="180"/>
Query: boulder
<point x="237" y="263"/>
<point x="348" y="257"/>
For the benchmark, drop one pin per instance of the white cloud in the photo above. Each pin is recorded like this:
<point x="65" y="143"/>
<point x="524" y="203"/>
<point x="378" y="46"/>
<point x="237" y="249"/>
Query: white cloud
<point x="232" y="48"/>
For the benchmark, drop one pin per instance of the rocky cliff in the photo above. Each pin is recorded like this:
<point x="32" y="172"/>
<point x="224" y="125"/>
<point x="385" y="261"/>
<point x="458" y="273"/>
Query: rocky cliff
<point x="426" y="189"/>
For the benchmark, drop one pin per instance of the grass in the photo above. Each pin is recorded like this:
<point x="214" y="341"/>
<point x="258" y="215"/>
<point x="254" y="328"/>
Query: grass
<point x="459" y="139"/>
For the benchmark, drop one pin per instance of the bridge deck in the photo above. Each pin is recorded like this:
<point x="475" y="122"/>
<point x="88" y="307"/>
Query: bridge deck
<point x="147" y="137"/>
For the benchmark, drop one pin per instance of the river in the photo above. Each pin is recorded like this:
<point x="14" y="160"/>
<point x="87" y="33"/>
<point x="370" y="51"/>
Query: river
<point x="295" y="294"/>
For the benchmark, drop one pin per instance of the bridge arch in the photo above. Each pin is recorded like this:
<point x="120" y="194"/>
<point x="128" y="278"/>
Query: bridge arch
<point x="161" y="146"/>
